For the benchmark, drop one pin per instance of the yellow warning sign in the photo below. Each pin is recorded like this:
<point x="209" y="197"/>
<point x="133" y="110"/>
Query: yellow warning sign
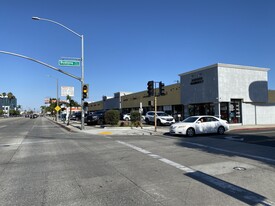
<point x="57" y="108"/>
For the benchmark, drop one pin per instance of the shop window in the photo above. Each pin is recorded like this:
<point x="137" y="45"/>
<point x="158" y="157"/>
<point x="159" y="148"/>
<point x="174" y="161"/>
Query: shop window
<point x="224" y="111"/>
<point x="201" y="109"/>
<point x="235" y="111"/>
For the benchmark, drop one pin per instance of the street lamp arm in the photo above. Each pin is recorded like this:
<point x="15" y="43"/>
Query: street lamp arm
<point x="38" y="18"/>
<point x="40" y="62"/>
<point x="82" y="60"/>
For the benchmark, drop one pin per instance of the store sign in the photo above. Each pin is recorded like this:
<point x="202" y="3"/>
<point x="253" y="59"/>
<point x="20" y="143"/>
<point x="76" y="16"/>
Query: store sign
<point x="198" y="80"/>
<point x="65" y="91"/>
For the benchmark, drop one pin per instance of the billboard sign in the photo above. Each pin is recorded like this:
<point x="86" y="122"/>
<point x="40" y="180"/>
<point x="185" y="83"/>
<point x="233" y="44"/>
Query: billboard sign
<point x="66" y="90"/>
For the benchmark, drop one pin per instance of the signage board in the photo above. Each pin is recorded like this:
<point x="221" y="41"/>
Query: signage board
<point x="73" y="63"/>
<point x="66" y="90"/>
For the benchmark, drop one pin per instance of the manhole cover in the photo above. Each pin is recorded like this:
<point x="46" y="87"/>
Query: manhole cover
<point x="239" y="168"/>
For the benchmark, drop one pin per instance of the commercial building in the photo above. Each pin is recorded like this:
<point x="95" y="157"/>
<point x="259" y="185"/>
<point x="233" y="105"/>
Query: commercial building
<point x="6" y="102"/>
<point x="236" y="93"/>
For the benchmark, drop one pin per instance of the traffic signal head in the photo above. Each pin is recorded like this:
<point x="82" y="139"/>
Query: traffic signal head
<point x="85" y="104"/>
<point x="150" y="88"/>
<point x="85" y="90"/>
<point x="161" y="89"/>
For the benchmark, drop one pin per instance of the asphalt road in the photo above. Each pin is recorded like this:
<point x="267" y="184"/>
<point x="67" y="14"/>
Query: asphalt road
<point x="265" y="137"/>
<point x="43" y="164"/>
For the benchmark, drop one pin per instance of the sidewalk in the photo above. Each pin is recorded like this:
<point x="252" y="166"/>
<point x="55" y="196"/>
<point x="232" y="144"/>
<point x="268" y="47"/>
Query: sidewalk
<point x="75" y="126"/>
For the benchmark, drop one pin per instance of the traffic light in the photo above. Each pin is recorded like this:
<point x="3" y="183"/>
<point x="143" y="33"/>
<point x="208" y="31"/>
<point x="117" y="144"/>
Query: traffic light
<point x="85" y="90"/>
<point x="161" y="89"/>
<point x="150" y="88"/>
<point x="86" y="104"/>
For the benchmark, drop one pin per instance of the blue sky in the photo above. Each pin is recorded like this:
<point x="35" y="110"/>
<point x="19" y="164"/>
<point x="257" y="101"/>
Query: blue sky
<point x="129" y="42"/>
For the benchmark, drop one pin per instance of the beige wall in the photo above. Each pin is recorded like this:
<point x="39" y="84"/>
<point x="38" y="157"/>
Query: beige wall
<point x="95" y="106"/>
<point x="171" y="97"/>
<point x="271" y="96"/>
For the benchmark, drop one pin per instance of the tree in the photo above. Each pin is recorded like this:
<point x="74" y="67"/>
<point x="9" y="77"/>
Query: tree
<point x="10" y="95"/>
<point x="69" y="104"/>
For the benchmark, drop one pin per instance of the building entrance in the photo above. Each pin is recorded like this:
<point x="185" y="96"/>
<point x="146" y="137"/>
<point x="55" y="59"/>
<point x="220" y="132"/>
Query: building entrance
<point x="231" y="111"/>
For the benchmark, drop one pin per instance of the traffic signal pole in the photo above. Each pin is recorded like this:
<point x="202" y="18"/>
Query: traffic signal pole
<point x="155" y="103"/>
<point x="155" y="113"/>
<point x="152" y="91"/>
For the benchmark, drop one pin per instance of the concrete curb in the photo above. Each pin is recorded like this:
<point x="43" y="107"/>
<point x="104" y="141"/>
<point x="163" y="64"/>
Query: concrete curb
<point x="146" y="130"/>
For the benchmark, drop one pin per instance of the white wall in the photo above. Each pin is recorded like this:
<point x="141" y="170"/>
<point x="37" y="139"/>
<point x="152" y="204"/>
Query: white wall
<point x="242" y="82"/>
<point x="258" y="114"/>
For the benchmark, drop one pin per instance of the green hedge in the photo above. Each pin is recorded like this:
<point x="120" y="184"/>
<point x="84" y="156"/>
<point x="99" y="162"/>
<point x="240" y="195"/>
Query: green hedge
<point x="112" y="117"/>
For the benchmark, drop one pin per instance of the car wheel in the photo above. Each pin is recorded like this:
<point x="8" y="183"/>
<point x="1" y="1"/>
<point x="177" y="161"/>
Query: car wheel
<point x="158" y="122"/>
<point x="190" y="132"/>
<point x="147" y="121"/>
<point x="221" y="130"/>
<point x="99" y="122"/>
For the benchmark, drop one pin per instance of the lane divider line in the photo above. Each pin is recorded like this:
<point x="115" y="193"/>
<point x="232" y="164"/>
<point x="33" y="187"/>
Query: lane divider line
<point x="228" y="188"/>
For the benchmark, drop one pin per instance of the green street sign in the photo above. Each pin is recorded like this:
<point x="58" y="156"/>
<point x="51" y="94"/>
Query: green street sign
<point x="73" y="63"/>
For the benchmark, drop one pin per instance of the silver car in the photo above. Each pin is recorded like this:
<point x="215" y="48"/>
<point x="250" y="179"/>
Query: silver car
<point x="162" y="118"/>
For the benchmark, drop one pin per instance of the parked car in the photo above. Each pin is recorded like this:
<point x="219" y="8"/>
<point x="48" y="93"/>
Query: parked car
<point x="95" y="118"/>
<point x="162" y="118"/>
<point x="76" y="116"/>
<point x="199" y="125"/>
<point x="127" y="117"/>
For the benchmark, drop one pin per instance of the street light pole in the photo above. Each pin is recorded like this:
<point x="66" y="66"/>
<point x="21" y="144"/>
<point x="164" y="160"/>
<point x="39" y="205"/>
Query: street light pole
<point x="82" y="62"/>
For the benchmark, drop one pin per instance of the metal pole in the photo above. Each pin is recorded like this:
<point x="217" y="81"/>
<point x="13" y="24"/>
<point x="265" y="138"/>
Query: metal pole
<point x="82" y="61"/>
<point x="57" y="102"/>
<point x="82" y="82"/>
<point x="155" y="113"/>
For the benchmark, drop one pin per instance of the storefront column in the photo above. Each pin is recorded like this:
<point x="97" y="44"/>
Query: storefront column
<point x="218" y="109"/>
<point x="186" y="111"/>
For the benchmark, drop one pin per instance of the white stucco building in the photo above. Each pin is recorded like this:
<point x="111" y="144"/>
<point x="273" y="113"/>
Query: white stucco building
<point x="233" y="92"/>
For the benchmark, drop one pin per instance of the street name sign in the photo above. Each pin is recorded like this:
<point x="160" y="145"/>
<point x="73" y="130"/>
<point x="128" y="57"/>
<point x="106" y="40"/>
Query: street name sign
<point x="71" y="63"/>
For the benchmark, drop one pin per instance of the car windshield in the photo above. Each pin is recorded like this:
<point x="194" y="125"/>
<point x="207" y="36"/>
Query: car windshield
<point x="162" y="114"/>
<point x="190" y="119"/>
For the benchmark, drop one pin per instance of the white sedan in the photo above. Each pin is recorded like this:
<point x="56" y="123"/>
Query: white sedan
<point x="199" y="125"/>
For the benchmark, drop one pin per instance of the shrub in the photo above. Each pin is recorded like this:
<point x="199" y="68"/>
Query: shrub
<point x="135" y="116"/>
<point x="112" y="117"/>
<point x="135" y="119"/>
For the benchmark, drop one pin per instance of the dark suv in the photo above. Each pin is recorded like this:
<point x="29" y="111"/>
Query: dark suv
<point x="95" y="118"/>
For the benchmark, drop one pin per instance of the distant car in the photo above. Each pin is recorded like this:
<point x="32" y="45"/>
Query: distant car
<point x="199" y="125"/>
<point x="127" y="117"/>
<point x="162" y="118"/>
<point x="33" y="116"/>
<point x="95" y="118"/>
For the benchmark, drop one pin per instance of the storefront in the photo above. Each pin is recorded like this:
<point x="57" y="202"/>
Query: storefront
<point x="223" y="90"/>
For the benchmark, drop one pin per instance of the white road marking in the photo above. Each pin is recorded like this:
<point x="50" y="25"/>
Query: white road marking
<point x="36" y="142"/>
<point x="2" y="126"/>
<point x="230" y="188"/>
